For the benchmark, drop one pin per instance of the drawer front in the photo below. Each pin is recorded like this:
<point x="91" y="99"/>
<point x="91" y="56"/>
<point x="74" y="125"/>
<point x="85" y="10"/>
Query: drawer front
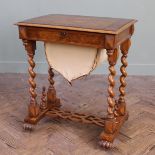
<point x="62" y="36"/>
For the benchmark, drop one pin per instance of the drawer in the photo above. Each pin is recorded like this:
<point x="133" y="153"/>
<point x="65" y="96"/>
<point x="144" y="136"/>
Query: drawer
<point x="62" y="36"/>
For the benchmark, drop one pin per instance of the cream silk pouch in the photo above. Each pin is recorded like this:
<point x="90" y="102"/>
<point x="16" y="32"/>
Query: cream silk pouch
<point x="73" y="61"/>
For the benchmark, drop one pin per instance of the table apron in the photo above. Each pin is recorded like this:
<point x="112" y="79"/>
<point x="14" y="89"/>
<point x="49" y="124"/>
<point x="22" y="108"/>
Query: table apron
<point x="90" y="39"/>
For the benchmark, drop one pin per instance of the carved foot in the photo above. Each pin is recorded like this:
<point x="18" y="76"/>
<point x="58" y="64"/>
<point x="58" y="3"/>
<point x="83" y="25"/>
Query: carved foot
<point x="111" y="130"/>
<point x="28" y="127"/>
<point x="105" y="144"/>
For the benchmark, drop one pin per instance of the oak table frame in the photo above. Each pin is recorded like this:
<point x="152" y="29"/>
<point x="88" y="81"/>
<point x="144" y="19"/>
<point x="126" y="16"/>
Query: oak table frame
<point x="98" y="32"/>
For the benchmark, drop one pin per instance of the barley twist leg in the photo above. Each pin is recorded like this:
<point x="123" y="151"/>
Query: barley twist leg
<point x="33" y="108"/>
<point x="110" y="124"/>
<point x="111" y="102"/>
<point x="52" y="100"/>
<point x="43" y="104"/>
<point x="121" y="105"/>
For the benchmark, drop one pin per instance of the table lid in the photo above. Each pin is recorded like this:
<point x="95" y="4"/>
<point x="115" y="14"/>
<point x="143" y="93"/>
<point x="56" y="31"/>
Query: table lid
<point x="80" y="23"/>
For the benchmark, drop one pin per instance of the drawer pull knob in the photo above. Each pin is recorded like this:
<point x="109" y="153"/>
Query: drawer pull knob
<point x="63" y="34"/>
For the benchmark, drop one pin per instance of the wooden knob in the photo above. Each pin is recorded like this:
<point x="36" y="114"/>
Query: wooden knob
<point x="63" y="34"/>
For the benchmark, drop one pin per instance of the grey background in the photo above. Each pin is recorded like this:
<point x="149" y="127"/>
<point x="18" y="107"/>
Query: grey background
<point x="141" y="56"/>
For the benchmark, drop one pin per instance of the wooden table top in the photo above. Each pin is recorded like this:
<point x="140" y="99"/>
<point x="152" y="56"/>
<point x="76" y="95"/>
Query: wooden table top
<point x="80" y="23"/>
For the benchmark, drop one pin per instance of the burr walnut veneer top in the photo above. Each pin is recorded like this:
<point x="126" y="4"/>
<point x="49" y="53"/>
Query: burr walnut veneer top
<point x="80" y="23"/>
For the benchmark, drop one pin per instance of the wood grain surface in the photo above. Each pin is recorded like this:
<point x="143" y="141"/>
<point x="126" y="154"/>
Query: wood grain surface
<point x="80" y="23"/>
<point x="59" y="137"/>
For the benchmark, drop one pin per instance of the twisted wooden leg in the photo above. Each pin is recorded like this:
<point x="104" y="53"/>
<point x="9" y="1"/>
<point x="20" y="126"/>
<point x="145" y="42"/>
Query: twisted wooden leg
<point x="43" y="104"/>
<point x="33" y="108"/>
<point x="111" y="101"/>
<point x="52" y="100"/>
<point x="121" y="105"/>
<point x="110" y="124"/>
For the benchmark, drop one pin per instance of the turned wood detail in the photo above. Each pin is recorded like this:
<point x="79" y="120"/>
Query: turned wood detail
<point x="124" y="49"/>
<point x="30" y="47"/>
<point x="52" y="100"/>
<point x="43" y="104"/>
<point x="121" y="105"/>
<point x="50" y="77"/>
<point x="112" y="58"/>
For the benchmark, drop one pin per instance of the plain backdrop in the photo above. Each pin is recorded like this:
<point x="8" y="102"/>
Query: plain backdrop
<point x="141" y="57"/>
